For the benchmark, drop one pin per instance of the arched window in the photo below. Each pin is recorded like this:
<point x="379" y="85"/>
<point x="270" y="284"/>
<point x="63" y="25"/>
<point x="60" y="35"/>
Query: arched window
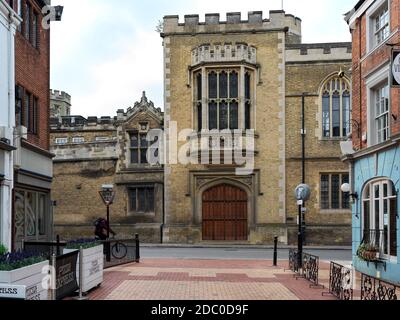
<point x="379" y="220"/>
<point x="336" y="108"/>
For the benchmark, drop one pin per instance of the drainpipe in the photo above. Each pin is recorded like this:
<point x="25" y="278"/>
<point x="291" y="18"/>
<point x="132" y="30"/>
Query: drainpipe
<point x="303" y="159"/>
<point x="303" y="138"/>
<point x="163" y="215"/>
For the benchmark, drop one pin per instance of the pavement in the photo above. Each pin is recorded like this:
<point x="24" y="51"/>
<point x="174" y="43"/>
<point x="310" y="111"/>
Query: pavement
<point x="208" y="279"/>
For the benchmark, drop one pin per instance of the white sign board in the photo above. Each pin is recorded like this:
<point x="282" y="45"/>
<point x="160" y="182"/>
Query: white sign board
<point x="12" y="292"/>
<point x="396" y="68"/>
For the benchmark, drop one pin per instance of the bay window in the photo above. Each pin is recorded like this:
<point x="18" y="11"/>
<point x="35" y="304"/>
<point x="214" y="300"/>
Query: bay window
<point x="226" y="95"/>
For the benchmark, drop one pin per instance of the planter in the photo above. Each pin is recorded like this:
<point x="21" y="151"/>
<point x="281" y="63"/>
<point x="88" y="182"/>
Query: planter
<point x="93" y="265"/>
<point x="31" y="277"/>
<point x="370" y="255"/>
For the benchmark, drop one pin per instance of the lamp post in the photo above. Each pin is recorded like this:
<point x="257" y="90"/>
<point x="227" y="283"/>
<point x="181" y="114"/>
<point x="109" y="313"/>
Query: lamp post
<point x="108" y="195"/>
<point x="302" y="194"/>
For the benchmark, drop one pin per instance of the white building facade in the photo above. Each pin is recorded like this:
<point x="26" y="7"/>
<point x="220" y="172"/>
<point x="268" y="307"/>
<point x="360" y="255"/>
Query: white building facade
<point x="9" y="22"/>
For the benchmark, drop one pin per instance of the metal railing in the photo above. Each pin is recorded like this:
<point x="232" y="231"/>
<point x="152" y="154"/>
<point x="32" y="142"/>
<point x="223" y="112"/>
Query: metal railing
<point x="310" y="269"/>
<point x="340" y="282"/>
<point x="294" y="261"/>
<point x="121" y="251"/>
<point x="46" y="249"/>
<point x="377" y="290"/>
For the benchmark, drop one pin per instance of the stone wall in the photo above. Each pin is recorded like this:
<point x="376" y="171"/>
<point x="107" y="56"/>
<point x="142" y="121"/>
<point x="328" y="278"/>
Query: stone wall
<point x="307" y="67"/>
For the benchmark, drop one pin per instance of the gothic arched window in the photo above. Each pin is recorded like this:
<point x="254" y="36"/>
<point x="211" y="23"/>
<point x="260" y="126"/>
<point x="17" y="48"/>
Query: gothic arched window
<point x="336" y="108"/>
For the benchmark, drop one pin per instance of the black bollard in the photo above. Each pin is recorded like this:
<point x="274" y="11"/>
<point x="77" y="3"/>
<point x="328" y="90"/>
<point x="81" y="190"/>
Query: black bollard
<point x="275" y="251"/>
<point x="58" y="246"/>
<point x="137" y="248"/>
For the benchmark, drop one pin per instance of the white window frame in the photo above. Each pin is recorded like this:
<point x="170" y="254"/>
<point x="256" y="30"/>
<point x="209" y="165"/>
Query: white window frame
<point x="372" y="210"/>
<point x="375" y="10"/>
<point x="382" y="112"/>
<point x="78" y="140"/>
<point x="102" y="139"/>
<point x="373" y="82"/>
<point x="61" y="141"/>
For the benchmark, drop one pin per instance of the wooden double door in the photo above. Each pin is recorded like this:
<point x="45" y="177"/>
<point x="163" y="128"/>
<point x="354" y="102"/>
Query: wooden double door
<point x="225" y="216"/>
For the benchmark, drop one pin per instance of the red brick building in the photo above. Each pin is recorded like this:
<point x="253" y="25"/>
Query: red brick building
<point x="368" y="56"/>
<point x="32" y="212"/>
<point x="375" y="163"/>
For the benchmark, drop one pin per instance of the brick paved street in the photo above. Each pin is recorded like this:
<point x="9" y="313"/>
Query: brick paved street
<point x="168" y="279"/>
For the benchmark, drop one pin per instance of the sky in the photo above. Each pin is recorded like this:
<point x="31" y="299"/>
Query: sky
<point x="106" y="53"/>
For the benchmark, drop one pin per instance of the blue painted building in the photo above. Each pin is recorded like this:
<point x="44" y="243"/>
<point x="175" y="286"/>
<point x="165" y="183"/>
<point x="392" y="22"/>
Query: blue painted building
<point x="376" y="211"/>
<point x="375" y="156"/>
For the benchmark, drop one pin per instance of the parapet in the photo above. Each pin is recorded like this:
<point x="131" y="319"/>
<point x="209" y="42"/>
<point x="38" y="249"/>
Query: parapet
<point x="60" y="95"/>
<point x="278" y="20"/>
<point x="297" y="53"/>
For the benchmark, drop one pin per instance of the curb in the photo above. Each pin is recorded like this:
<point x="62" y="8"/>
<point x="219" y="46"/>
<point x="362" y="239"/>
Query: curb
<point x="251" y="247"/>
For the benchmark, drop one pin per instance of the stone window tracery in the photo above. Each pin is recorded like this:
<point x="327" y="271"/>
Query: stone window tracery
<point x="336" y="108"/>
<point x="227" y="93"/>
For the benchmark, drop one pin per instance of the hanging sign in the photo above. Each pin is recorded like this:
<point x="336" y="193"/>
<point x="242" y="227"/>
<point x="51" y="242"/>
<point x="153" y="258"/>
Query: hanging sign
<point x="396" y="69"/>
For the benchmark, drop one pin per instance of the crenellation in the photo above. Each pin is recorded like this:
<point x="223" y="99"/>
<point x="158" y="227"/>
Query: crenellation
<point x="105" y="122"/>
<point x="192" y="19"/>
<point x="318" y="52"/>
<point x="255" y="17"/>
<point x="233" y="17"/>
<point x="278" y="20"/>
<point x="60" y="95"/>
<point x="212" y="18"/>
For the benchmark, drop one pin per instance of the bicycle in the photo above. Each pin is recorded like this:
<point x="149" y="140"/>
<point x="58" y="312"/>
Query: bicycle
<point x="119" y="250"/>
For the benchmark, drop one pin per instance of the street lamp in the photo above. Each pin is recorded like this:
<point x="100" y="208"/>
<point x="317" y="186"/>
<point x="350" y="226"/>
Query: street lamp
<point x="302" y="194"/>
<point x="346" y="188"/>
<point x="108" y="195"/>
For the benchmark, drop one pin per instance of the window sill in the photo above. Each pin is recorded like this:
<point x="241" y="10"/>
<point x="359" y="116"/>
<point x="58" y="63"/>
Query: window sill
<point x="141" y="214"/>
<point x="378" y="46"/>
<point x="335" y="139"/>
<point x="335" y="211"/>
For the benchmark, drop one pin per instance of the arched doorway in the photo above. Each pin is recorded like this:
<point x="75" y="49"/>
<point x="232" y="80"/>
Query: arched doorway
<point x="225" y="214"/>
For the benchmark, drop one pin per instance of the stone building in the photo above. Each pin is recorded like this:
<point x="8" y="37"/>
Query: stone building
<point x="312" y="74"/>
<point x="220" y="77"/>
<point x="95" y="151"/>
<point x="250" y="75"/>
<point x="60" y="104"/>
